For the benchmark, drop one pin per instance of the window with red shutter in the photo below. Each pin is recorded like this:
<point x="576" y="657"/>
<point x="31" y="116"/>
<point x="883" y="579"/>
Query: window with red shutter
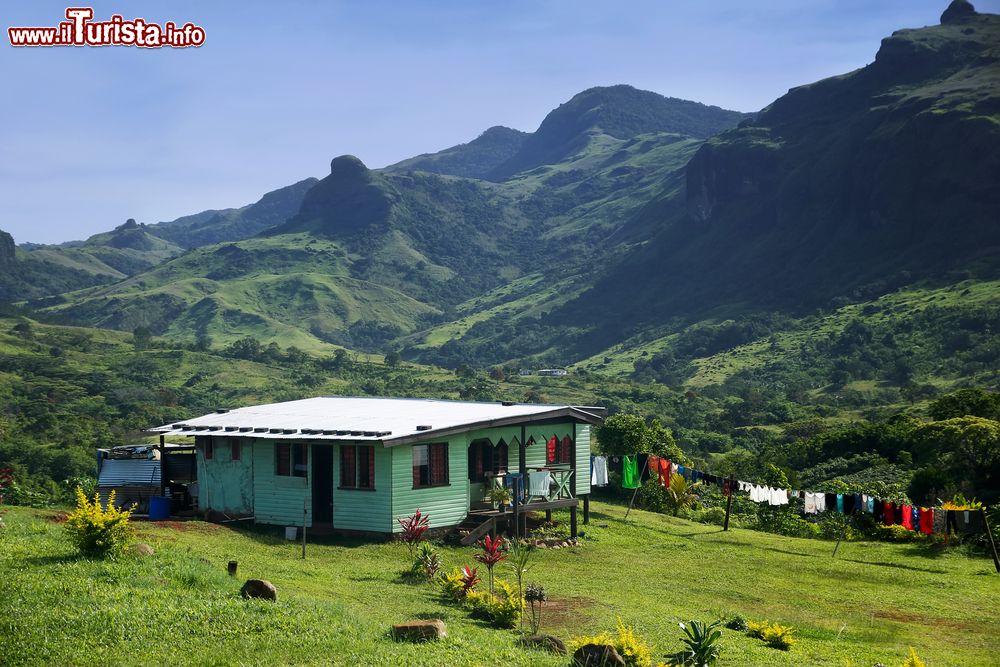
<point x="430" y="465"/>
<point x="283" y="465"/>
<point x="348" y="467"/>
<point x="566" y="450"/>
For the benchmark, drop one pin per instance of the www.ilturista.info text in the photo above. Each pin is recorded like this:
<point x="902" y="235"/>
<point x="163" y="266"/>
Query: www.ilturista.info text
<point x="81" y="30"/>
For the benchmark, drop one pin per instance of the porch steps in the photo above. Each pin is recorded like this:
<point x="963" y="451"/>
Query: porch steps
<point x="474" y="527"/>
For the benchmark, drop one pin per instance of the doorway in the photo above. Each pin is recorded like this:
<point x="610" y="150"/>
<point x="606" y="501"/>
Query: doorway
<point x="322" y="484"/>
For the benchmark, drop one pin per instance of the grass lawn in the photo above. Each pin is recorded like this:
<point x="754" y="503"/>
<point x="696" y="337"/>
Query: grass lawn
<point x="179" y="606"/>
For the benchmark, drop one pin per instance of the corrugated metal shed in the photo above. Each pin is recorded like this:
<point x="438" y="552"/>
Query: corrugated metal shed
<point x="392" y="421"/>
<point x="130" y="472"/>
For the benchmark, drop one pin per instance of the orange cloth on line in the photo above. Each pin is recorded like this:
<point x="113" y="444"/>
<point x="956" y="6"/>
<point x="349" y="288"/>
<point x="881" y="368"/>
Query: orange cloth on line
<point x="653" y="465"/>
<point x="908" y="517"/>
<point x="665" y="472"/>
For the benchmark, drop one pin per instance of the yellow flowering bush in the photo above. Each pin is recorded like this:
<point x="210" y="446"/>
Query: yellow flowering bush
<point x="633" y="650"/>
<point x="773" y="634"/>
<point x="99" y="531"/>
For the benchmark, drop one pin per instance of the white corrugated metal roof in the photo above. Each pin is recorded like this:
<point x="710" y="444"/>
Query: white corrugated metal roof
<point x="390" y="420"/>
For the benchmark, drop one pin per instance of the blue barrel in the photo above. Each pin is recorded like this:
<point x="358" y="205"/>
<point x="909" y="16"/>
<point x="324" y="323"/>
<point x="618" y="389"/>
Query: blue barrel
<point x="159" y="508"/>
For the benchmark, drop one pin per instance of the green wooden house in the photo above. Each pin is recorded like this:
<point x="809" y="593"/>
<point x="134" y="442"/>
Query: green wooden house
<point x="358" y="464"/>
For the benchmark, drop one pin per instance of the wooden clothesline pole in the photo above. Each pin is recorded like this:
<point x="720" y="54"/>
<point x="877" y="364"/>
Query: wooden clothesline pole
<point x="993" y="545"/>
<point x="636" y="492"/>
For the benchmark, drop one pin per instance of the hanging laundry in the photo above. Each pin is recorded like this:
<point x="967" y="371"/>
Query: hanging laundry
<point x="727" y="488"/>
<point x="682" y="471"/>
<point x="778" y="496"/>
<point x="550" y="450"/>
<point x="926" y="520"/>
<point x="743" y="486"/>
<point x="598" y="471"/>
<point x="889" y="510"/>
<point x="642" y="465"/>
<point x="810" y="504"/>
<point x="951" y="524"/>
<point x="840" y="503"/>
<point x="941" y="521"/>
<point x="908" y="517"/>
<point x="859" y="504"/>
<point x="664" y="472"/>
<point x="831" y="501"/>
<point x="915" y="517"/>
<point x="654" y="466"/>
<point x="539" y="483"/>
<point x="871" y="504"/>
<point x="848" y="503"/>
<point x="630" y="472"/>
<point x="820" y="502"/>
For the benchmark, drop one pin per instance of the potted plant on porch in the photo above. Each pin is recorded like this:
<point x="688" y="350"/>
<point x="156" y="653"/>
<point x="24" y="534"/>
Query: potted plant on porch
<point x="501" y="497"/>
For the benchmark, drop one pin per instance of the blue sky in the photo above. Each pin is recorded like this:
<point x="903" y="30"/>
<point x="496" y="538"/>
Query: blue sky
<point x="94" y="136"/>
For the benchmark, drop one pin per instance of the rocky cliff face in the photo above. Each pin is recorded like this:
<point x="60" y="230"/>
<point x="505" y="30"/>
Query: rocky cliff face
<point x="6" y="250"/>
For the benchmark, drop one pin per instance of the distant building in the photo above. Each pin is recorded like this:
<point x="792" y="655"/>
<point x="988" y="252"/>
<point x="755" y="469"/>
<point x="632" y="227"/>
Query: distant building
<point x="553" y="372"/>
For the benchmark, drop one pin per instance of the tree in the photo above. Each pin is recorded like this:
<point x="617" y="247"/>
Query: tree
<point x="23" y="330"/>
<point x="630" y="434"/>
<point x="203" y="343"/>
<point x="244" y="348"/>
<point x="141" y="337"/>
<point x="392" y="358"/>
<point x="968" y="448"/>
<point x="967" y="402"/>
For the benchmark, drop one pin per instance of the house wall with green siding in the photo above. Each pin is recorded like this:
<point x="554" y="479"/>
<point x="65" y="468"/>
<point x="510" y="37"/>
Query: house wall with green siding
<point x="445" y="505"/>
<point x="279" y="499"/>
<point x="449" y="505"/>
<point x="358" y="509"/>
<point x="225" y="485"/>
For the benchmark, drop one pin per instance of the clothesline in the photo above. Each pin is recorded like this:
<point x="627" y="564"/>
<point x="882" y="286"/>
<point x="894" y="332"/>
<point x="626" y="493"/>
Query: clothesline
<point x="912" y="517"/>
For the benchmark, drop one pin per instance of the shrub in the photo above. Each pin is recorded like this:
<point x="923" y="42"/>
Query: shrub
<point x="701" y="645"/>
<point x="774" y="635"/>
<point x="414" y="528"/>
<point x="428" y="561"/>
<point x="629" y="645"/>
<point x="502" y="608"/>
<point x="713" y="515"/>
<point x="97" y="531"/>
<point x="913" y="660"/>
<point x="456" y="585"/>
<point x="897" y="534"/>
<point x="737" y="623"/>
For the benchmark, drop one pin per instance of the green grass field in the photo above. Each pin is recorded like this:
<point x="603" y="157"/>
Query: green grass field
<point x="868" y="605"/>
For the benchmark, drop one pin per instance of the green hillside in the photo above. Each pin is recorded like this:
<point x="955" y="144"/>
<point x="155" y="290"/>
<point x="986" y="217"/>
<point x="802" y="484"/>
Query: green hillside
<point x="866" y="606"/>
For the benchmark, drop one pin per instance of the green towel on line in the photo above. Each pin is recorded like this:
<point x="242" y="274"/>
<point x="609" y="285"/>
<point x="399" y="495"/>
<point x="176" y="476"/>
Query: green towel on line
<point x="630" y="472"/>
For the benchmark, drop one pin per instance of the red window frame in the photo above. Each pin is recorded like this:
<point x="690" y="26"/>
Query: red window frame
<point x="291" y="459"/>
<point x="430" y="465"/>
<point x="357" y="467"/>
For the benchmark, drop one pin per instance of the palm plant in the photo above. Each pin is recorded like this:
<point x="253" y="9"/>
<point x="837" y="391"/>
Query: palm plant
<point x="701" y="645"/>
<point x="680" y="493"/>
<point x="518" y="555"/>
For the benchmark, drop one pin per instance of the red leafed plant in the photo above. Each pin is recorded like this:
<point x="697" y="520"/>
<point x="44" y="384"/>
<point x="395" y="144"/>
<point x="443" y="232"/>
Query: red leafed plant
<point x="414" y="528"/>
<point x="470" y="577"/>
<point x="492" y="553"/>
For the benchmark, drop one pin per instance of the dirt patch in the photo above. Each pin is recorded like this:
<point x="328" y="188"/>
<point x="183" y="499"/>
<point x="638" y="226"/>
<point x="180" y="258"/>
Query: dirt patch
<point x="59" y="517"/>
<point x="563" y="612"/>
<point x="919" y="619"/>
